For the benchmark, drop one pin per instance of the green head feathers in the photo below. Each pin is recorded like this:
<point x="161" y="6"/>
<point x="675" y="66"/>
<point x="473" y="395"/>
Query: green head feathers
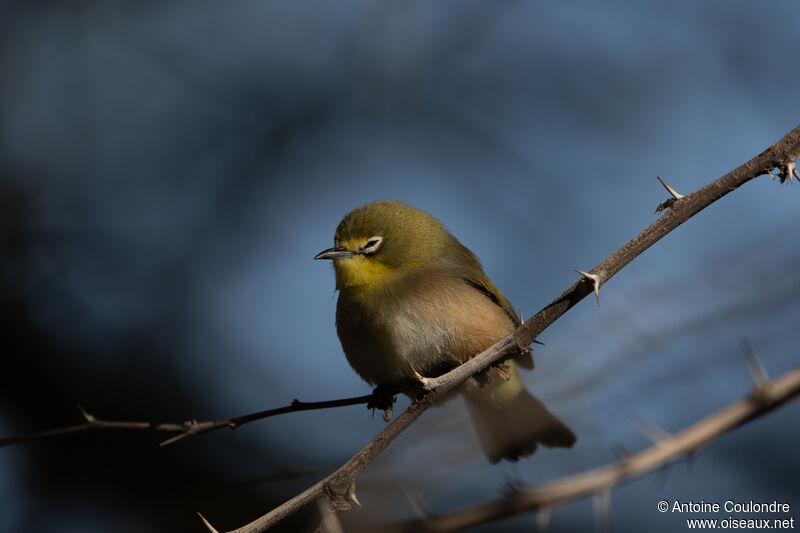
<point x="410" y="236"/>
<point x="379" y="241"/>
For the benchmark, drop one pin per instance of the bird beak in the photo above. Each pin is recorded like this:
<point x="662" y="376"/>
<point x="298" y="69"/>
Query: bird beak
<point x="334" y="253"/>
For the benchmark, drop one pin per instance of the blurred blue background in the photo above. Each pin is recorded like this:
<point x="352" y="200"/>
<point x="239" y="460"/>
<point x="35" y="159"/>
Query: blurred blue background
<point x="169" y="169"/>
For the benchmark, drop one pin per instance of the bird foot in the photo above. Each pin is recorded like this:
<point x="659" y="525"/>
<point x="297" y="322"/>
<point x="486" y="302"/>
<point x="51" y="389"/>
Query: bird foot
<point x="503" y="370"/>
<point x="382" y="399"/>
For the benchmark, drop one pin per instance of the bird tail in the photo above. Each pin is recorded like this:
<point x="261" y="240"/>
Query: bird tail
<point x="511" y="422"/>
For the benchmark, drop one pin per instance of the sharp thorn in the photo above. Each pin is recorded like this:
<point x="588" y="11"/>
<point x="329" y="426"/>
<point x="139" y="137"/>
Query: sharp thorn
<point x="88" y="417"/>
<point x="670" y="190"/>
<point x="417" y="503"/>
<point x="791" y="169"/>
<point x="602" y="508"/>
<point x="652" y="432"/>
<point x="787" y="172"/>
<point x="595" y="279"/>
<point x="427" y="383"/>
<point x="755" y="366"/>
<point x="352" y="495"/>
<point x="417" y="375"/>
<point x="208" y="525"/>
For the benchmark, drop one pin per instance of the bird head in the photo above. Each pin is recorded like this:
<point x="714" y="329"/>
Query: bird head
<point x="381" y="241"/>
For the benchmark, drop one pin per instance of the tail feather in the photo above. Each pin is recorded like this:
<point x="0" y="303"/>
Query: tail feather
<point x="513" y="427"/>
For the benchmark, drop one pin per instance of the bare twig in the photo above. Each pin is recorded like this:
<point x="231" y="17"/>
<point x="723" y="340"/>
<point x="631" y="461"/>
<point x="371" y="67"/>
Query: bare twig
<point x="188" y="428"/>
<point x="336" y="486"/>
<point x="599" y="481"/>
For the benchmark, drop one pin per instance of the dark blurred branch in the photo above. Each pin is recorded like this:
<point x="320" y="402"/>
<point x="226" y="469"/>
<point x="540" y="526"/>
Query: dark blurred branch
<point x="547" y="496"/>
<point x="188" y="428"/>
<point x="339" y="486"/>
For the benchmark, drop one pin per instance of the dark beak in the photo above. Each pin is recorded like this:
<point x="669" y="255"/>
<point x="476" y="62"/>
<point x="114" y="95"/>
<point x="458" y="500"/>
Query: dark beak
<point x="334" y="253"/>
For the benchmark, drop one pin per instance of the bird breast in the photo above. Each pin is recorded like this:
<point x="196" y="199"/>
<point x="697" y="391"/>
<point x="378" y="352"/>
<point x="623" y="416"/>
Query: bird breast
<point x="428" y="321"/>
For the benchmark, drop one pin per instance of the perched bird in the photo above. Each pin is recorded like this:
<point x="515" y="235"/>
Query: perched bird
<point x="413" y="301"/>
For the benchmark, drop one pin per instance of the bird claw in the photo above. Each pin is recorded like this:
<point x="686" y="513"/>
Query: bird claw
<point x="502" y="370"/>
<point x="382" y="398"/>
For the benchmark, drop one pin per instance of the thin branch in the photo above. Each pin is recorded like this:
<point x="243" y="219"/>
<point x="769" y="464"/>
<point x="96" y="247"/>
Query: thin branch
<point x="196" y="428"/>
<point x="548" y="496"/>
<point x="189" y="428"/>
<point x="337" y="485"/>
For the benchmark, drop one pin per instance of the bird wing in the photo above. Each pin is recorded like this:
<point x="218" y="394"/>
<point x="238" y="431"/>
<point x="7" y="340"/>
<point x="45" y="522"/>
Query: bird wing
<point x="481" y="282"/>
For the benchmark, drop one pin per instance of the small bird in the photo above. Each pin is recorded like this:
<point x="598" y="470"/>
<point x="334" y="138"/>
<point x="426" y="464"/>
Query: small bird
<point x="414" y="301"/>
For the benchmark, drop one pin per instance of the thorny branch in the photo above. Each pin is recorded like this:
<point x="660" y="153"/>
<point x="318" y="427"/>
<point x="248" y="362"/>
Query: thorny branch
<point x="598" y="482"/>
<point x="188" y="428"/>
<point x="339" y="486"/>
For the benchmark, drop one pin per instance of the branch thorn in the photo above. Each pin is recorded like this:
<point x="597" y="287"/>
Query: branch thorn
<point x="595" y="279"/>
<point x="418" y="503"/>
<point x="791" y="169"/>
<point x="652" y="432"/>
<point x="351" y="494"/>
<point x="670" y="190"/>
<point x="602" y="507"/>
<point x="788" y="171"/>
<point x="522" y="321"/>
<point x="88" y="417"/>
<point x="755" y="366"/>
<point x="207" y="523"/>
<point x="427" y="383"/>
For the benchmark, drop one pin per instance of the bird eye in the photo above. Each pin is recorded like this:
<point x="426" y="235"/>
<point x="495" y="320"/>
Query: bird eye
<point x="372" y="245"/>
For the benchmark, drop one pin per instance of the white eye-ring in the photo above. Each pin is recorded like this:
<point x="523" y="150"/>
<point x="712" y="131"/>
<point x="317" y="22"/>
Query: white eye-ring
<point x="372" y="245"/>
